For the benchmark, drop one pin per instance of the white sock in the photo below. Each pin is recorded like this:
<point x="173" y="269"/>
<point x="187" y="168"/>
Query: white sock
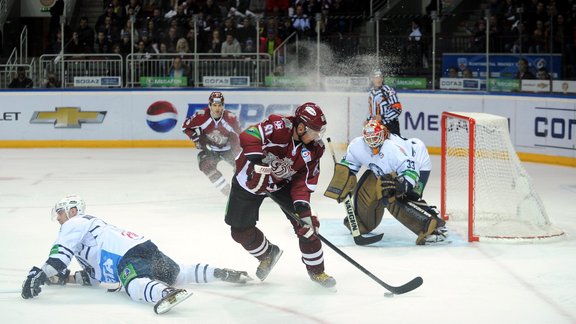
<point x="195" y="273"/>
<point x="146" y="289"/>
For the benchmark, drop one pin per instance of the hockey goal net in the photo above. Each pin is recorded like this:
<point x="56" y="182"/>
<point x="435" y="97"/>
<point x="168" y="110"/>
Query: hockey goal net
<point x="484" y="183"/>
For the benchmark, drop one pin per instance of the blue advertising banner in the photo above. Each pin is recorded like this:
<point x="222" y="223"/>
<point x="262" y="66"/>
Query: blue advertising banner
<point x="501" y="65"/>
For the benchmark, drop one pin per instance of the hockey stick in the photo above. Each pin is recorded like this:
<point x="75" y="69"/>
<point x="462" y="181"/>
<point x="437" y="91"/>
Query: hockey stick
<point x="397" y="290"/>
<point x="354" y="229"/>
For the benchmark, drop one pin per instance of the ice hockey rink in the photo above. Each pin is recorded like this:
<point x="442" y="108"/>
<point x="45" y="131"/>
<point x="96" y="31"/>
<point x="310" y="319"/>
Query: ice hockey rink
<point x="160" y="193"/>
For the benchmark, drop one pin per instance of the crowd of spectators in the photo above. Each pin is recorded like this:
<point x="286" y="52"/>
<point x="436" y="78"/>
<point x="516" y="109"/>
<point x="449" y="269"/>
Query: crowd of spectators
<point x="529" y="27"/>
<point x="208" y="26"/>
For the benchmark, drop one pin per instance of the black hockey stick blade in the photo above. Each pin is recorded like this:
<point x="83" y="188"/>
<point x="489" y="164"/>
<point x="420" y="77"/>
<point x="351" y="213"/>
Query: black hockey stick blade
<point x="367" y="240"/>
<point x="397" y="290"/>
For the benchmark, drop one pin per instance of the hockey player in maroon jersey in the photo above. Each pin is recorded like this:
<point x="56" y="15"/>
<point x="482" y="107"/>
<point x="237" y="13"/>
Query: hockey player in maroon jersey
<point x="280" y="155"/>
<point x="214" y="131"/>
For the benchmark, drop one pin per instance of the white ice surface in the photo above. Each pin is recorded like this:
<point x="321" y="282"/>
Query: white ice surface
<point x="161" y="193"/>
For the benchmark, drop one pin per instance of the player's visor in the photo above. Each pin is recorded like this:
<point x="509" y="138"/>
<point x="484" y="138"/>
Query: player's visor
<point x="316" y="134"/>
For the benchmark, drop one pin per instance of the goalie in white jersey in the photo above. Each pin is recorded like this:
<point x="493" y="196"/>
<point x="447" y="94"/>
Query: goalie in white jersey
<point x="110" y="254"/>
<point x="398" y="170"/>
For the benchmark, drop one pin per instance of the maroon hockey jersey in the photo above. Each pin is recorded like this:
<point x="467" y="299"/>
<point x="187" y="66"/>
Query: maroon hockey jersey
<point x="214" y="135"/>
<point x="291" y="161"/>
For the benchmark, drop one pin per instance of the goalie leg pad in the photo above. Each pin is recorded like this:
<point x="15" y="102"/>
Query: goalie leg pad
<point x="368" y="205"/>
<point x="342" y="184"/>
<point x="415" y="218"/>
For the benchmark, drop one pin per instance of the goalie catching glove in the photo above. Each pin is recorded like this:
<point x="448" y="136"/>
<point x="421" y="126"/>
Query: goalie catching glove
<point x="393" y="186"/>
<point x="31" y="286"/>
<point x="259" y="178"/>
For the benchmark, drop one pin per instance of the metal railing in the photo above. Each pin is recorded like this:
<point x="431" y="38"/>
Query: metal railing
<point x="197" y="66"/>
<point x="24" y="45"/>
<point x="69" y="66"/>
<point x="281" y="52"/>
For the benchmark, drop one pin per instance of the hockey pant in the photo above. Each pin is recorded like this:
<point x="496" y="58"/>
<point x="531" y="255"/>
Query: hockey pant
<point x="145" y="272"/>
<point x="242" y="215"/>
<point x="208" y="161"/>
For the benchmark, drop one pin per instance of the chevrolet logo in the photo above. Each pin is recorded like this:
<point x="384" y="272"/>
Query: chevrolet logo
<point x="68" y="117"/>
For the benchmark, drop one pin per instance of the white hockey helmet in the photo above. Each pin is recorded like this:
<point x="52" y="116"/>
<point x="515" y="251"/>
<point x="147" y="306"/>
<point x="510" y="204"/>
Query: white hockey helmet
<point x="377" y="73"/>
<point x="68" y="202"/>
<point x="375" y="133"/>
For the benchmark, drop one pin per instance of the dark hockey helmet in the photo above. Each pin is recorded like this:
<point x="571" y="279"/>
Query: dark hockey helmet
<point x="311" y="116"/>
<point x="216" y="96"/>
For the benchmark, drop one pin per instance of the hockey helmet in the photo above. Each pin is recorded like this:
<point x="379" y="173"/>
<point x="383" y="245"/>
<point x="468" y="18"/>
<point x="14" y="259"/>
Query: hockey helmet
<point x="312" y="117"/>
<point x="216" y="96"/>
<point x="68" y="202"/>
<point x="375" y="133"/>
<point x="377" y="73"/>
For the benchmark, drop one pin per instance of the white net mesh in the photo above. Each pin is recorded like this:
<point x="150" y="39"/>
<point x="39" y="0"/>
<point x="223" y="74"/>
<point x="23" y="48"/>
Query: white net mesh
<point x="505" y="204"/>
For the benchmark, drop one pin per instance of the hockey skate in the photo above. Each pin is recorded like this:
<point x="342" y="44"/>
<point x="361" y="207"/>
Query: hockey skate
<point x="430" y="228"/>
<point x="269" y="262"/>
<point x="172" y="297"/>
<point x="229" y="275"/>
<point x="434" y="239"/>
<point x="323" y="279"/>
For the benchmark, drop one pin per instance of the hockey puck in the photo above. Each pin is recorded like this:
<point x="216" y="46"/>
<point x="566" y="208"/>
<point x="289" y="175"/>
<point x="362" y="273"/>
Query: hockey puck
<point x="388" y="294"/>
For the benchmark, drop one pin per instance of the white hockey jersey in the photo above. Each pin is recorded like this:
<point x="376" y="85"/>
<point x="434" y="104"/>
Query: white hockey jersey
<point x="97" y="246"/>
<point x="417" y="149"/>
<point x="393" y="157"/>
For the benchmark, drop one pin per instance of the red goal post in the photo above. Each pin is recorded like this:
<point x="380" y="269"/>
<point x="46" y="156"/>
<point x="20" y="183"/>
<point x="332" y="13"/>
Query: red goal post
<point x="483" y="183"/>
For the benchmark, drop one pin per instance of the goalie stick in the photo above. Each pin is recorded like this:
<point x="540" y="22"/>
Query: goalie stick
<point x="396" y="290"/>
<point x="354" y="229"/>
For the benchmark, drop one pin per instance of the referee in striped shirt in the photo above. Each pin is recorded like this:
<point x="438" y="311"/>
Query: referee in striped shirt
<point x="383" y="104"/>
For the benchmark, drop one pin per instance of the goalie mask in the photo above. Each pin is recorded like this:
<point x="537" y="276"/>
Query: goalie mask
<point x="67" y="203"/>
<point x="375" y="134"/>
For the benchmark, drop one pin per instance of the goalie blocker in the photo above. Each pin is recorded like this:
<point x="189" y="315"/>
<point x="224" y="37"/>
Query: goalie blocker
<point x="369" y="204"/>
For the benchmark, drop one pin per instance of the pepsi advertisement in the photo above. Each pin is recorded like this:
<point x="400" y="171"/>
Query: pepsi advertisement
<point x="501" y="65"/>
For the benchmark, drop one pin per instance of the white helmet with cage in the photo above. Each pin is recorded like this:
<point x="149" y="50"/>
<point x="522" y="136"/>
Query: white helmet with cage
<point x="67" y="203"/>
<point x="375" y="133"/>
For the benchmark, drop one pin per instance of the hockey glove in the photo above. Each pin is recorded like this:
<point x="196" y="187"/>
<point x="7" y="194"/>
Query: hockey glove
<point x="258" y="180"/>
<point x="60" y="279"/>
<point x="195" y="136"/>
<point x="308" y="226"/>
<point x="31" y="287"/>
<point x="394" y="186"/>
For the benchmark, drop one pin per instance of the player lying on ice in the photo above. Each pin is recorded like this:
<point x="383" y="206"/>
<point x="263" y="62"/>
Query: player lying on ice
<point x="398" y="170"/>
<point x="111" y="255"/>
